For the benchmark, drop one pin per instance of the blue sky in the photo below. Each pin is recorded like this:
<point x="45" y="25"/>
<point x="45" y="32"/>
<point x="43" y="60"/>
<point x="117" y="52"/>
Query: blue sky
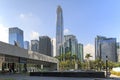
<point x="83" y="18"/>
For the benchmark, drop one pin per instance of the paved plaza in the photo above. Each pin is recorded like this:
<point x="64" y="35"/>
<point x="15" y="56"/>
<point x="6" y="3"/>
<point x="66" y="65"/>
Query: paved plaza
<point x="27" y="77"/>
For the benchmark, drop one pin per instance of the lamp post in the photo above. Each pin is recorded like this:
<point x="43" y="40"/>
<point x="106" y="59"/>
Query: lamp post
<point x="106" y="66"/>
<point x="100" y="56"/>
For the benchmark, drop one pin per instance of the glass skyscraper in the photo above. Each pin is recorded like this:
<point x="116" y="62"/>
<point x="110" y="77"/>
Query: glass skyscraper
<point x="80" y="52"/>
<point x="98" y="40"/>
<point x="16" y="36"/>
<point x="71" y="44"/>
<point x="26" y="45"/>
<point x="59" y="30"/>
<point x="106" y="47"/>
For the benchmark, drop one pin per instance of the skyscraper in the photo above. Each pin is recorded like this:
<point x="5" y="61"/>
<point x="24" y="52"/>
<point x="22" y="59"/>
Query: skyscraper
<point x="59" y="30"/>
<point x="70" y="44"/>
<point x="16" y="36"/>
<point x="45" y="45"/>
<point x="26" y="45"/>
<point x="106" y="47"/>
<point x="98" y="40"/>
<point x="35" y="45"/>
<point x="80" y="52"/>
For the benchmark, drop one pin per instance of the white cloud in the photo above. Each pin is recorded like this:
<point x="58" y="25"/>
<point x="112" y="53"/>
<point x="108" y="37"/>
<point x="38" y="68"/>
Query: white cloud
<point x="66" y="31"/>
<point x="22" y="16"/>
<point x="54" y="47"/>
<point x="3" y="33"/>
<point x="26" y="16"/>
<point x="89" y="48"/>
<point x="34" y="35"/>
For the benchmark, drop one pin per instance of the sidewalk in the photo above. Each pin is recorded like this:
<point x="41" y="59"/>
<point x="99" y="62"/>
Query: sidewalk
<point x="114" y="76"/>
<point x="27" y="77"/>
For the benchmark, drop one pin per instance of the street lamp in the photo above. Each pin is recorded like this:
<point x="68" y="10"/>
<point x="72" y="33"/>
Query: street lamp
<point x="100" y="56"/>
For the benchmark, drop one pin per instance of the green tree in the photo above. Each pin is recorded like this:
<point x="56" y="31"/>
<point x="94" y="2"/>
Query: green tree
<point x="88" y="60"/>
<point x="74" y="57"/>
<point x="99" y="64"/>
<point x="68" y="56"/>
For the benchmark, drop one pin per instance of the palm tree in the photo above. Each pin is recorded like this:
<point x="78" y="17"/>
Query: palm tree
<point x="87" y="57"/>
<point x="74" y="56"/>
<point x="68" y="56"/>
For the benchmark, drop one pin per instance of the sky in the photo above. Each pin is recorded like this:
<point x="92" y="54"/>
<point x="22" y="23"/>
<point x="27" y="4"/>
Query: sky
<point x="83" y="18"/>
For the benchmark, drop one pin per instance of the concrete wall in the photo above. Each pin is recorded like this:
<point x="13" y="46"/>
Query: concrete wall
<point x="7" y="49"/>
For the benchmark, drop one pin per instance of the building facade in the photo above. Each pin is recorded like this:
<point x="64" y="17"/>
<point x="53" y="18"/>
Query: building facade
<point x="16" y="59"/>
<point x="118" y="51"/>
<point x="59" y="30"/>
<point x="80" y="52"/>
<point x="16" y="36"/>
<point x="70" y="44"/>
<point x="45" y="45"/>
<point x="26" y="45"/>
<point x="98" y="40"/>
<point x="35" y="45"/>
<point x="106" y="47"/>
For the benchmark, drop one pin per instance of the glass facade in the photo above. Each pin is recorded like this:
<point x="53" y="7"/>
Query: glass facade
<point x="98" y="40"/>
<point x="26" y="45"/>
<point x="59" y="30"/>
<point x="80" y="52"/>
<point x="35" y="45"/>
<point x="71" y="44"/>
<point x="16" y="36"/>
<point x="106" y="47"/>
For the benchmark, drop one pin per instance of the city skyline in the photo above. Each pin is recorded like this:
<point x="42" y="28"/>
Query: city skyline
<point x="85" y="19"/>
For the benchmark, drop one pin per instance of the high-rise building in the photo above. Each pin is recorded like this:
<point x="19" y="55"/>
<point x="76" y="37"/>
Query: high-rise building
<point x="45" y="45"/>
<point x="26" y="45"/>
<point x="118" y="51"/>
<point x="59" y="30"/>
<point x="106" y="47"/>
<point x="16" y="36"/>
<point x="70" y="44"/>
<point x="98" y="40"/>
<point x="80" y="52"/>
<point x="35" y="45"/>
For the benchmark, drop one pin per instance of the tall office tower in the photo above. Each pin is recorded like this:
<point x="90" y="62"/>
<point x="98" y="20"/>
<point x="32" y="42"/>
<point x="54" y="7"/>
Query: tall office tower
<point x="59" y="30"/>
<point x="70" y="44"/>
<point x="80" y="52"/>
<point x="35" y="45"/>
<point x="106" y="47"/>
<point x="118" y="51"/>
<point x="45" y="45"/>
<point x="53" y="42"/>
<point x="98" y="40"/>
<point x="26" y="45"/>
<point x="16" y="36"/>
